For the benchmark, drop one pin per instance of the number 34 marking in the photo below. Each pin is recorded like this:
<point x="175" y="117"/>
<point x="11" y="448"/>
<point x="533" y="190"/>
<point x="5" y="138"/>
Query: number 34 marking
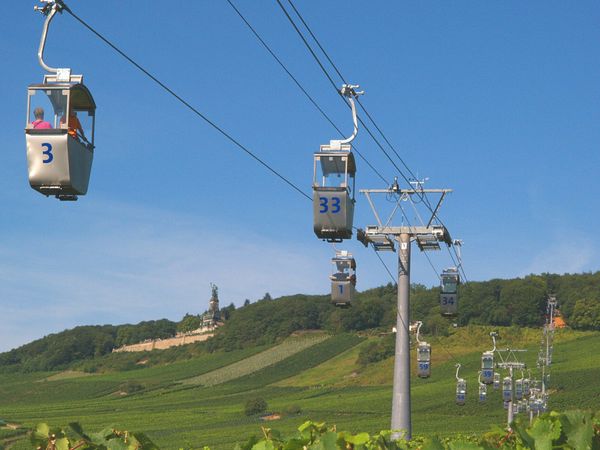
<point x="48" y="153"/>
<point x="324" y="204"/>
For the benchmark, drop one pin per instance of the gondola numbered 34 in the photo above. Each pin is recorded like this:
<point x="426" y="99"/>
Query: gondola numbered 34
<point x="449" y="293"/>
<point x="60" y="127"/>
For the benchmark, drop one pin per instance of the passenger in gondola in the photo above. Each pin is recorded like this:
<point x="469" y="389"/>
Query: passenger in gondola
<point x="39" y="122"/>
<point x="75" y="129"/>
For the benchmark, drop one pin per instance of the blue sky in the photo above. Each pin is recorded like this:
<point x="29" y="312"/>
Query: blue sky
<point x="496" y="100"/>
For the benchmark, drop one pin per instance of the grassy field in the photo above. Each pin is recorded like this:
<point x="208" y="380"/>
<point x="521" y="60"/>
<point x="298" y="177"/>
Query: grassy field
<point x="318" y="375"/>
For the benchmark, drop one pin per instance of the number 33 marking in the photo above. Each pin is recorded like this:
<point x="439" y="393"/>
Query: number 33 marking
<point x="335" y="205"/>
<point x="48" y="153"/>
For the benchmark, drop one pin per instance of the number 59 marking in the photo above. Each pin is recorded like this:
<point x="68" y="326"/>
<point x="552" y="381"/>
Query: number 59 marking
<point x="48" y="153"/>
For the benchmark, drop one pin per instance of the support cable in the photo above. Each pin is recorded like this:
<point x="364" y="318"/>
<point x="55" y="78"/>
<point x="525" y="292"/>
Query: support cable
<point x="364" y="125"/>
<point x="304" y="91"/>
<point x="184" y="102"/>
<point x="326" y="73"/>
<point x="423" y="196"/>
<point x="345" y="82"/>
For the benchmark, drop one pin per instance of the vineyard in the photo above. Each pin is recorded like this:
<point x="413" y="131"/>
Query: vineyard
<point x="322" y="381"/>
<point x="257" y="362"/>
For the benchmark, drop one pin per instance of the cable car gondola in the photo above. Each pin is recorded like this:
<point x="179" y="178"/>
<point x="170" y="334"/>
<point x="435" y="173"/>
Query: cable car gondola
<point x="487" y="367"/>
<point x="482" y="390"/>
<point x="496" y="380"/>
<point x="519" y="388"/>
<point x="449" y="293"/>
<point x="461" y="388"/>
<point x="423" y="355"/>
<point x="334" y="183"/>
<point x="461" y="391"/>
<point x="343" y="280"/>
<point x="507" y="393"/>
<point x="60" y="128"/>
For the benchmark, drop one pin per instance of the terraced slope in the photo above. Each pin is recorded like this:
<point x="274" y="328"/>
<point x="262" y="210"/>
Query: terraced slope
<point x="191" y="416"/>
<point x="257" y="362"/>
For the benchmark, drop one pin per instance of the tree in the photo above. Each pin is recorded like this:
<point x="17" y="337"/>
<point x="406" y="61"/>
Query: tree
<point x="188" y="323"/>
<point x="255" y="405"/>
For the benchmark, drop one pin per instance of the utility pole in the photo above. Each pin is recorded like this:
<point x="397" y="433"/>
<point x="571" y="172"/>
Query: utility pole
<point x="383" y="236"/>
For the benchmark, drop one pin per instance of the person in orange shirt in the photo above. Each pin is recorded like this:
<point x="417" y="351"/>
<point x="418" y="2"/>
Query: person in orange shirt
<point x="74" y="125"/>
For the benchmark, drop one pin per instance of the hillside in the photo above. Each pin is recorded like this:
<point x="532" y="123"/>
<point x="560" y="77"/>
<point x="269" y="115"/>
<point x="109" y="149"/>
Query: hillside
<point x="519" y="302"/>
<point x="188" y="404"/>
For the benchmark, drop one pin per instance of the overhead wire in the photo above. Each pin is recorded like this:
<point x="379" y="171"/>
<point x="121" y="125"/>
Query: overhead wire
<point x="423" y="195"/>
<point x="300" y="86"/>
<point x="308" y="46"/>
<point x="213" y="124"/>
<point x="326" y="73"/>
<point x="185" y="103"/>
<point x="343" y="79"/>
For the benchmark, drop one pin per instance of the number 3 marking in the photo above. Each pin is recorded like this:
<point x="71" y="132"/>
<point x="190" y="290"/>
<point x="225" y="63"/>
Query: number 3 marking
<point x="323" y="205"/>
<point x="335" y="205"/>
<point x="48" y="153"/>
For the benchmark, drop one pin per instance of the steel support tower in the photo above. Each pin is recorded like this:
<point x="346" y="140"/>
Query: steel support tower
<point x="383" y="237"/>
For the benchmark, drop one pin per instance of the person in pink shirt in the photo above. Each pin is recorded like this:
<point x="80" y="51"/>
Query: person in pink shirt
<point x="39" y="122"/>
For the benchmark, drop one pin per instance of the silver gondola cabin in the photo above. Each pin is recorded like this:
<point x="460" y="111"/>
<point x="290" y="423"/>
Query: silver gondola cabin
<point x="59" y="131"/>
<point x="59" y="155"/>
<point x="449" y="292"/>
<point x="343" y="280"/>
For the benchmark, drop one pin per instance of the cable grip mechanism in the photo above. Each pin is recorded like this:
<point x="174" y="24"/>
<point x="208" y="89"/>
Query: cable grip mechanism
<point x="348" y="91"/>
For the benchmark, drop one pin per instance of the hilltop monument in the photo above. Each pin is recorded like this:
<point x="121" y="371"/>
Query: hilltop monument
<point x="211" y="318"/>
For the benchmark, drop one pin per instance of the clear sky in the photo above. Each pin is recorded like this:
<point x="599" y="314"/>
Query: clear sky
<point x="496" y="100"/>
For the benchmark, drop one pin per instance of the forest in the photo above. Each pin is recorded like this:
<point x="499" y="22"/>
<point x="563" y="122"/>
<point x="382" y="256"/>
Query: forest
<point x="519" y="302"/>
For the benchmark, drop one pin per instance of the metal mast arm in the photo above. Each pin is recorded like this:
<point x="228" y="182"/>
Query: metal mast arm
<point x="348" y="90"/>
<point x="457" y="369"/>
<point x="49" y="10"/>
<point x="493" y="335"/>
<point x="419" y="323"/>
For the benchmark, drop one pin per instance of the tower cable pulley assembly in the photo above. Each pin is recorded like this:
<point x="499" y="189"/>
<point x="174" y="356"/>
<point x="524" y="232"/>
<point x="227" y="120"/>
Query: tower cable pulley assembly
<point x="60" y="126"/>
